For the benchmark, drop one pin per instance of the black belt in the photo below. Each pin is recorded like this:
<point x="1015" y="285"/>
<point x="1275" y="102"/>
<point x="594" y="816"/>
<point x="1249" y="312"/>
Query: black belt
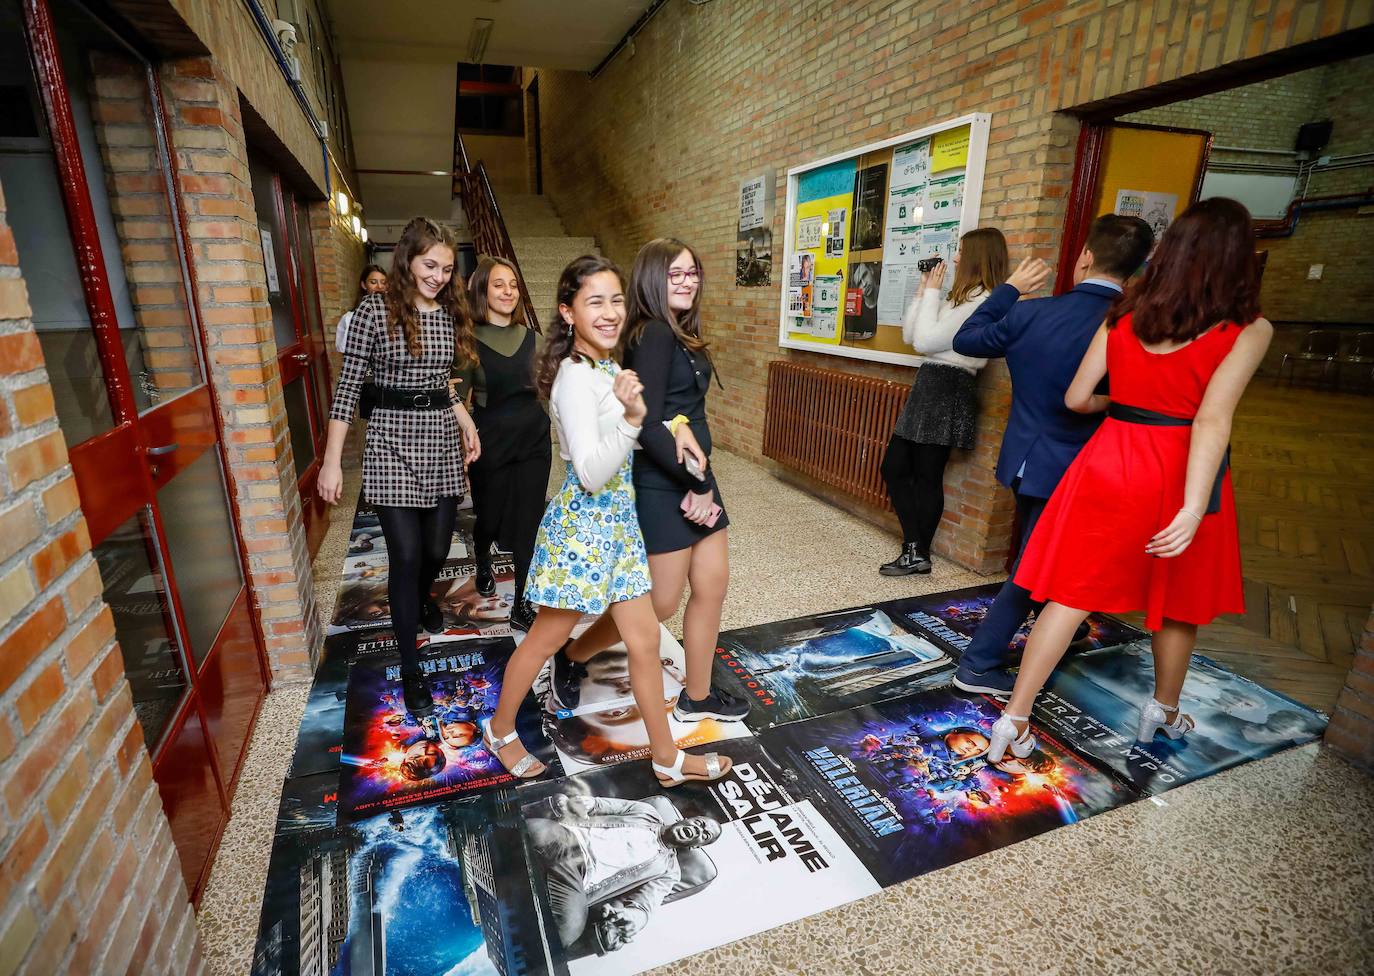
<point x="1150" y="418"/>
<point x="391" y="398"/>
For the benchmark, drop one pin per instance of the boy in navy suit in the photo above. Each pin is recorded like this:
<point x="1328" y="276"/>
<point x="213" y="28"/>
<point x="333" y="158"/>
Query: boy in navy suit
<point x="1043" y="342"/>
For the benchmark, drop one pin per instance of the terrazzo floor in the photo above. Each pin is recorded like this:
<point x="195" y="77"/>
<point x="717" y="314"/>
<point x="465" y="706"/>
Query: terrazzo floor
<point x="1267" y="868"/>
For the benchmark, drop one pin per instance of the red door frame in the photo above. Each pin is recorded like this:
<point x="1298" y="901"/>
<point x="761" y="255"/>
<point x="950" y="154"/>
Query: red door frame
<point x="122" y="490"/>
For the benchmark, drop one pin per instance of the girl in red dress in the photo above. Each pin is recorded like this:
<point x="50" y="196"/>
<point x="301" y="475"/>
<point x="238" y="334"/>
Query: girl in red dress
<point x="1145" y="518"/>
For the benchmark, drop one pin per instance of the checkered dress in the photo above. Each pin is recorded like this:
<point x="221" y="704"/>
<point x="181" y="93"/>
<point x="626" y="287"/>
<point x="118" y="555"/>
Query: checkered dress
<point x="412" y="457"/>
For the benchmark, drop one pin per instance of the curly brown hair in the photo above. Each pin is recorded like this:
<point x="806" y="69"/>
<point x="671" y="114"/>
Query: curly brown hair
<point x="420" y="235"/>
<point x="558" y="335"/>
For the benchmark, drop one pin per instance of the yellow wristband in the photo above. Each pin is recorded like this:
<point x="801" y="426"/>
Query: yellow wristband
<point x="675" y="423"/>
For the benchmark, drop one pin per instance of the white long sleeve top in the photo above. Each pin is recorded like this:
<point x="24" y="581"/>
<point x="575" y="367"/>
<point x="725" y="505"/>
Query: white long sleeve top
<point x="931" y="322"/>
<point x="592" y="430"/>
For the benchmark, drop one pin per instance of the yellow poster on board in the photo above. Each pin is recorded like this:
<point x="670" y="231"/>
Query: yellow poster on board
<point x="949" y="150"/>
<point x="828" y="259"/>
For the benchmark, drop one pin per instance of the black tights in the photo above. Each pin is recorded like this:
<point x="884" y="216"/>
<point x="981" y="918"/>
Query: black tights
<point x="915" y="476"/>
<point x="417" y="543"/>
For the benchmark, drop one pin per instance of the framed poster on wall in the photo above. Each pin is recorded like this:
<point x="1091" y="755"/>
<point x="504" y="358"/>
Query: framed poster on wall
<point x="858" y="223"/>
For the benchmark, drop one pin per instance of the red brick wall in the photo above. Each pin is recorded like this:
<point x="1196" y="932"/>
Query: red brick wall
<point x="227" y="261"/>
<point x="658" y="143"/>
<point x="1351" y="731"/>
<point x="90" y="876"/>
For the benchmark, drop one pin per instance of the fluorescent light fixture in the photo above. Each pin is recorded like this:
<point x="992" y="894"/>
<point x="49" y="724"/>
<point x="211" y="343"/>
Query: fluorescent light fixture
<point x="341" y="202"/>
<point x="357" y="225"/>
<point x="364" y="235"/>
<point x="477" y="40"/>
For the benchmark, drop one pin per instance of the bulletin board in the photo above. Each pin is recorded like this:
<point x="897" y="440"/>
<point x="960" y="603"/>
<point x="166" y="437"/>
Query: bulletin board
<point x="858" y="223"/>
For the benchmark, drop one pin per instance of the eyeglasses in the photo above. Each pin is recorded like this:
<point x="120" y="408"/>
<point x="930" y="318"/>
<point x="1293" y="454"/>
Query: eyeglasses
<point x="678" y="275"/>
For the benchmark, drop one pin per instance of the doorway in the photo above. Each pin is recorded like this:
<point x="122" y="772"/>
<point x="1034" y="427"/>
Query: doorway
<point x="90" y="190"/>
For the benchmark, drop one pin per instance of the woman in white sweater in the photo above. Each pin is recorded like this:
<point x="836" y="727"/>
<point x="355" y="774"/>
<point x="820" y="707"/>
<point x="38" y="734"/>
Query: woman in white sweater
<point x="941" y="411"/>
<point x="589" y="556"/>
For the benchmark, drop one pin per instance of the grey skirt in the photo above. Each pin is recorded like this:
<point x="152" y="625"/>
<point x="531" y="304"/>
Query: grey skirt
<point x="942" y="407"/>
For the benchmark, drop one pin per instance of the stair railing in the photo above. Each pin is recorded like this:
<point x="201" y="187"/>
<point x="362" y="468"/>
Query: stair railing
<point x="489" y="234"/>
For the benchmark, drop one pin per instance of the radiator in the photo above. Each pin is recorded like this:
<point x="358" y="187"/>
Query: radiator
<point x="832" y="426"/>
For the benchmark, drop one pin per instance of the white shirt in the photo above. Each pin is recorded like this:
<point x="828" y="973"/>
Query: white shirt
<point x="931" y="322"/>
<point x="592" y="430"/>
<point x="609" y="851"/>
<point x="341" y="334"/>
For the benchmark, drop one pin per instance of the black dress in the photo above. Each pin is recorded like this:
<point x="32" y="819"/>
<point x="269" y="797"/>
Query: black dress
<point x="675" y="382"/>
<point x="510" y="478"/>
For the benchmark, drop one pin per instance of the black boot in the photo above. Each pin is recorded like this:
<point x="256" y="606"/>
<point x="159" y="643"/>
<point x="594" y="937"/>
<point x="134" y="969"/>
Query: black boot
<point x="431" y="617"/>
<point x="914" y="559"/>
<point x="567" y="679"/>
<point x="522" y="615"/>
<point x="484" y="581"/>
<point x="419" y="702"/>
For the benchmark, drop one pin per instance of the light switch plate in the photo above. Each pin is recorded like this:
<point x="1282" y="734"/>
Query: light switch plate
<point x="1314" y="272"/>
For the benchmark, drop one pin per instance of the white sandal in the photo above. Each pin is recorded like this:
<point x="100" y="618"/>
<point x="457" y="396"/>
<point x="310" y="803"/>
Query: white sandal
<point x="675" y="776"/>
<point x="1005" y="735"/>
<point x="522" y="767"/>
<point x="1154" y="716"/>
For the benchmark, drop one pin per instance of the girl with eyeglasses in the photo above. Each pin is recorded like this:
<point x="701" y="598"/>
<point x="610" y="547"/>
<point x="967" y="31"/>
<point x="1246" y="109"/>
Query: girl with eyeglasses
<point x="418" y="437"/>
<point x="509" y="482"/>
<point x="589" y="557"/>
<point x="676" y="495"/>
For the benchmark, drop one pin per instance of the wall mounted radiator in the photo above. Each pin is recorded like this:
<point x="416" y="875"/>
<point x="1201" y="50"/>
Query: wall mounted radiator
<point x="832" y="426"/>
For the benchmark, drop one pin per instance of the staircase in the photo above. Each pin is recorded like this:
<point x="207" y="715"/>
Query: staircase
<point x="542" y="247"/>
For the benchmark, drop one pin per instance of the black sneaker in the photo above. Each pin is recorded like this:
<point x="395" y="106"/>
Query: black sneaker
<point x="998" y="681"/>
<point x="912" y="560"/>
<point x="567" y="679"/>
<point x="484" y="580"/>
<point x="522" y="616"/>
<point x="431" y="617"/>
<point x="719" y="705"/>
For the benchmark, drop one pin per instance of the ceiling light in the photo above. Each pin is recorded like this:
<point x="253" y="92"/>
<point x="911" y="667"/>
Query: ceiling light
<point x="341" y="202"/>
<point x="477" y="40"/>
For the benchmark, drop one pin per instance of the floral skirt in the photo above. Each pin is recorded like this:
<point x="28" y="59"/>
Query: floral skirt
<point x="590" y="551"/>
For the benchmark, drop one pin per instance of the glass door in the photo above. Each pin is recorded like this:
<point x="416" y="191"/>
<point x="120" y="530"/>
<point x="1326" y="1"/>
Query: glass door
<point x="289" y="260"/>
<point x="89" y="183"/>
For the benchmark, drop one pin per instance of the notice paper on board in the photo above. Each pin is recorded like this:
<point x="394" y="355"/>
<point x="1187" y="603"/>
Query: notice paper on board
<point x="949" y="150"/>
<point x="809" y="233"/>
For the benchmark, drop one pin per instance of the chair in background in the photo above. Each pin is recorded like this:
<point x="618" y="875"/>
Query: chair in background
<point x="1361" y="356"/>
<point x="1319" y="346"/>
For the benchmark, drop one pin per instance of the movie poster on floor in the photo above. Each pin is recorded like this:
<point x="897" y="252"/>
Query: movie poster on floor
<point x="636" y="875"/>
<point x="410" y="892"/>
<point x="319" y="743"/>
<point x="604" y="727"/>
<point x="813" y="665"/>
<point x="951" y="618"/>
<point x="362" y="603"/>
<point x="388" y="762"/>
<point x="908" y="785"/>
<point x="1092" y="704"/>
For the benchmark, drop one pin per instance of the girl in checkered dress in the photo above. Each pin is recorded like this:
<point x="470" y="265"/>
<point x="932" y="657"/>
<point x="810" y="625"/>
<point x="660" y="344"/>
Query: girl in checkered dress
<point x="589" y="556"/>
<point x="413" y="460"/>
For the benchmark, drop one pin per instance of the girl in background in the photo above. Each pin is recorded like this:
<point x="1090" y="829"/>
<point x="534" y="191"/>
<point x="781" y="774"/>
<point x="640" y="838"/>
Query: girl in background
<point x="678" y="504"/>
<point x="419" y="434"/>
<point x="371" y="282"/>
<point x="508" y="483"/>
<point x="589" y="556"/>
<point x="1145" y="518"/>
<point x="941" y="411"/>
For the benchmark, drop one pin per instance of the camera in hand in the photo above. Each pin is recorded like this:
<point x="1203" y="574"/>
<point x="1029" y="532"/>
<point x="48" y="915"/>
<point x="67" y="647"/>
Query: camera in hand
<point x="926" y="265"/>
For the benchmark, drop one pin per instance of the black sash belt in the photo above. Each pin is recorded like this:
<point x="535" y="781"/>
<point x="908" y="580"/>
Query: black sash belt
<point x="1150" y="418"/>
<point x="391" y="398"/>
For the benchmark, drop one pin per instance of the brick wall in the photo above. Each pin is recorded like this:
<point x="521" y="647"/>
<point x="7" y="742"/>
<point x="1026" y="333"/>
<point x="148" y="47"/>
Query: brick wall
<point x="1266" y="115"/>
<point x="91" y="878"/>
<point x="339" y="258"/>
<point x="1351" y="731"/>
<point x="227" y="261"/>
<point x="658" y="143"/>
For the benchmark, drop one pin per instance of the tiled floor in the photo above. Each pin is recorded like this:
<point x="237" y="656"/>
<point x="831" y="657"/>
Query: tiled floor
<point x="1266" y="869"/>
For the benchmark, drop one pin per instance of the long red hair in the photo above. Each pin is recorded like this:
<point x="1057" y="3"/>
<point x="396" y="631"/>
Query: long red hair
<point x="1204" y="272"/>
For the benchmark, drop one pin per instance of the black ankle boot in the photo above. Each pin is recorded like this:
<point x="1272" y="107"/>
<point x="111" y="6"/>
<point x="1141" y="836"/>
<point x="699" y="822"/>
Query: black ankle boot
<point x="914" y="559"/>
<point x="484" y="581"/>
<point x="431" y="617"/>
<point x="419" y="702"/>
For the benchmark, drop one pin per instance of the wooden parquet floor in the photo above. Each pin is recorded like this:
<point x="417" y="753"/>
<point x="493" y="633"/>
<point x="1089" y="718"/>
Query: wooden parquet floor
<point x="1303" y="468"/>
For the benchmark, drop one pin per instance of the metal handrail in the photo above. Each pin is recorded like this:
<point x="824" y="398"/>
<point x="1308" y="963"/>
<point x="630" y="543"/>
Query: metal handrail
<point x="489" y="234"/>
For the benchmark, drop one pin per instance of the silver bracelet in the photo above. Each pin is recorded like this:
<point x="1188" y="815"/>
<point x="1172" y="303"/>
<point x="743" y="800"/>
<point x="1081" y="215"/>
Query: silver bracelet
<point x="1186" y="512"/>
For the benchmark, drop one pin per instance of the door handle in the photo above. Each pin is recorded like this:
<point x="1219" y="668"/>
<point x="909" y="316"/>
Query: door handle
<point x="301" y="357"/>
<point x="164" y="449"/>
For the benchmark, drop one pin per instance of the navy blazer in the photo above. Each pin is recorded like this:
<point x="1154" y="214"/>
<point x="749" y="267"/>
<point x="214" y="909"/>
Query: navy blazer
<point x="1043" y="341"/>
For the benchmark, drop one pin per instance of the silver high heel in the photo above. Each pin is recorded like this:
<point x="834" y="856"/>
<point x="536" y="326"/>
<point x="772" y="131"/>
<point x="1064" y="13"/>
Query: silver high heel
<point x="1006" y="736"/>
<point x="1155" y="716"/>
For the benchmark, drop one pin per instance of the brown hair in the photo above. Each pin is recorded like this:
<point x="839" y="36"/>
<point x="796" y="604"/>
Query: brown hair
<point x="558" y="335"/>
<point x="1203" y="273"/>
<point x="363" y="275"/>
<point x="477" y="290"/>
<point x="1119" y="245"/>
<point x="983" y="264"/>
<point x="419" y="236"/>
<point x="649" y="295"/>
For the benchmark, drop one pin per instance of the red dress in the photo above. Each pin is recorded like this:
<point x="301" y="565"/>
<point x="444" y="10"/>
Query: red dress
<point x="1088" y="549"/>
